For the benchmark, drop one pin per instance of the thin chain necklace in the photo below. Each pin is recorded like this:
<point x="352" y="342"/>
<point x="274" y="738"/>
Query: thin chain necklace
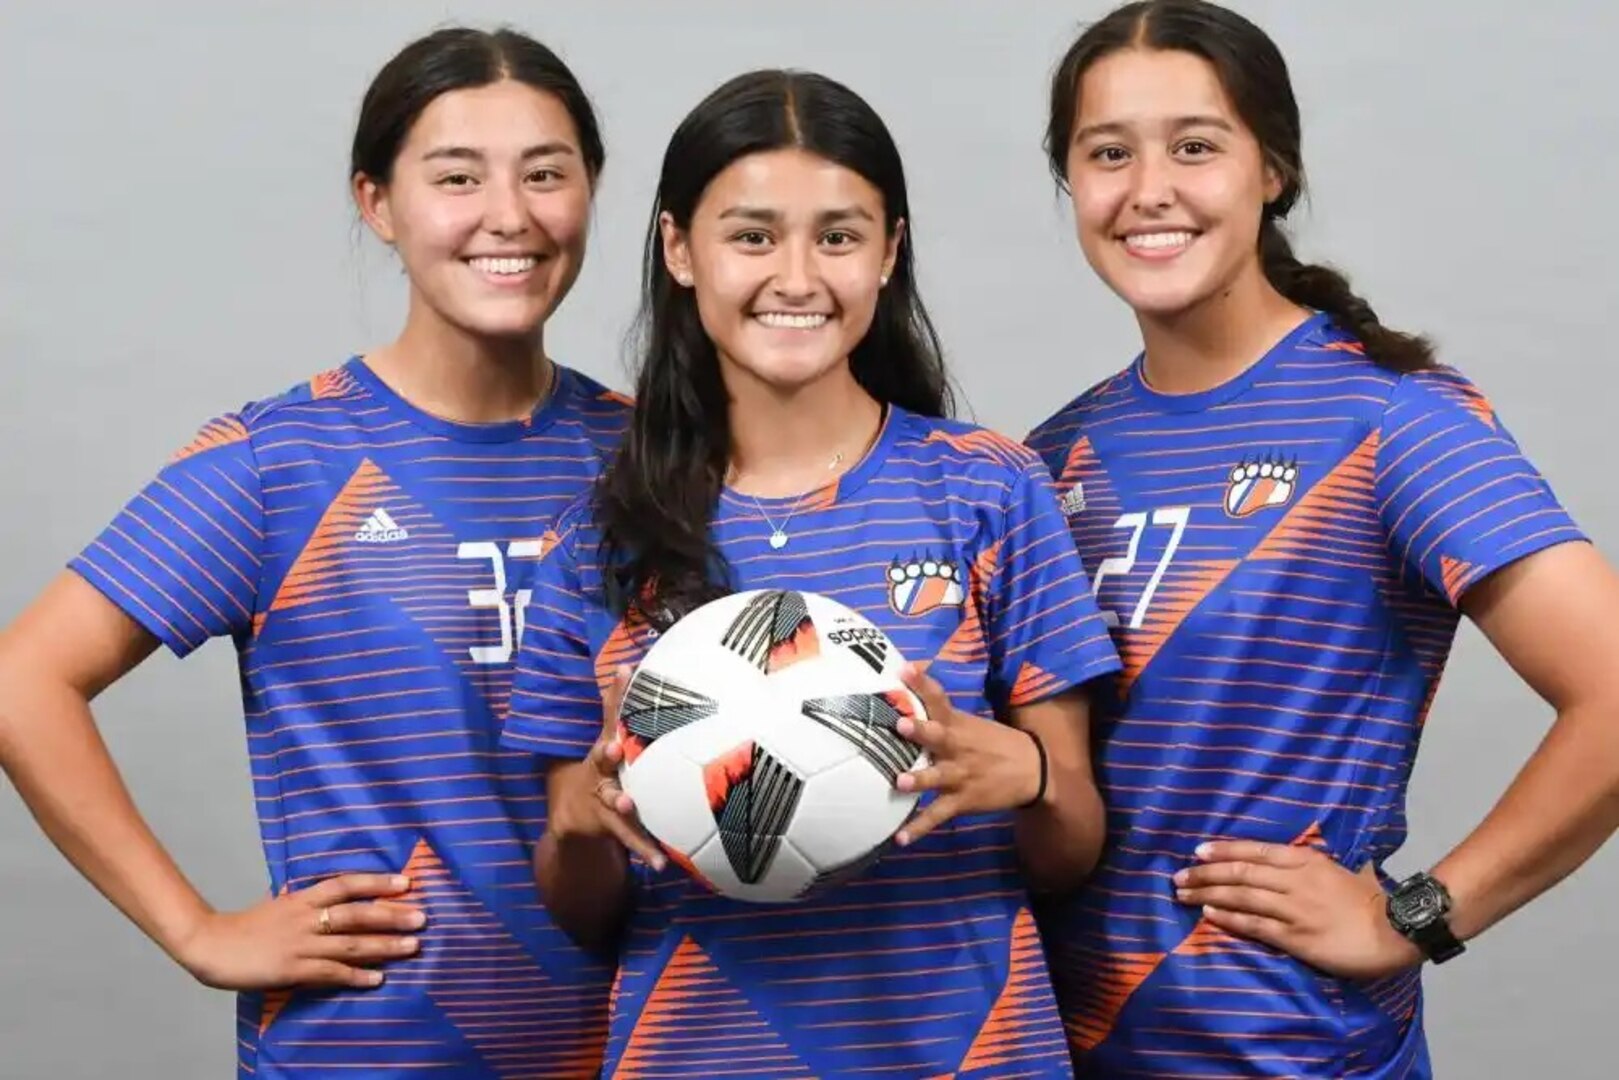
<point x="778" y="533"/>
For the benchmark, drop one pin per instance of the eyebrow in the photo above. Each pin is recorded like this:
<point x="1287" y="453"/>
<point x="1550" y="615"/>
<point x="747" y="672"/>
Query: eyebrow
<point x="770" y="217"/>
<point x="1179" y="124"/>
<point x="467" y="153"/>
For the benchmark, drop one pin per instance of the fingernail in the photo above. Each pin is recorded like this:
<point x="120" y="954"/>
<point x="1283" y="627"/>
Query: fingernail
<point x="409" y="944"/>
<point x="401" y="882"/>
<point x="374" y="978"/>
<point x="1203" y="850"/>
<point x="1208" y="909"/>
<point x="1182" y="895"/>
<point x="1181" y="876"/>
<point x="660" y="864"/>
<point x="416" y="920"/>
<point x="902" y="839"/>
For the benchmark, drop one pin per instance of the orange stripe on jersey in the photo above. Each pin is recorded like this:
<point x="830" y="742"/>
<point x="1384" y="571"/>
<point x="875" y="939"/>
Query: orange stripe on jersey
<point x="331" y="384"/>
<point x="216" y="433"/>
<point x="993" y="444"/>
<point x="1009" y="1021"/>
<point x="616" y="398"/>
<point x="1345" y="346"/>
<point x="313" y="568"/>
<point x="1032" y="685"/>
<point x="691" y="986"/>
<point x="1181" y="591"/>
<point x="966" y="644"/>
<point x="1345" y="492"/>
<point x="1455" y="574"/>
<point x="624" y="645"/>
<point x="1116" y="978"/>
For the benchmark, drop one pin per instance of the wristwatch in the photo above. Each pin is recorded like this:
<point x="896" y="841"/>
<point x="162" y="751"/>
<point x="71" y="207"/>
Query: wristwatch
<point x="1417" y="908"/>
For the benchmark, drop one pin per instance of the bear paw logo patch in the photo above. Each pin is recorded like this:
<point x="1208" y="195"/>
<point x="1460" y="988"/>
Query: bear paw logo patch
<point x="918" y="586"/>
<point x="1260" y="484"/>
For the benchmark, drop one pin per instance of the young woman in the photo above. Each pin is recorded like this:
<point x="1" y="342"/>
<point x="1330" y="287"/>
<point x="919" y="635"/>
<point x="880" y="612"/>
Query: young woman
<point x="367" y="539"/>
<point x="788" y="433"/>
<point x="1285" y="506"/>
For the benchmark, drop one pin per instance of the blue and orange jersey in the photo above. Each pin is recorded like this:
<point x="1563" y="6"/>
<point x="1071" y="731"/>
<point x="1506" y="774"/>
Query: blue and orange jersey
<point x="371" y="563"/>
<point x="927" y="964"/>
<point x="1281" y="559"/>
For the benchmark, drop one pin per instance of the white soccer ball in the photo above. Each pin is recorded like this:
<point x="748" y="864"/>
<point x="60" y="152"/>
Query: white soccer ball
<point x="760" y="743"/>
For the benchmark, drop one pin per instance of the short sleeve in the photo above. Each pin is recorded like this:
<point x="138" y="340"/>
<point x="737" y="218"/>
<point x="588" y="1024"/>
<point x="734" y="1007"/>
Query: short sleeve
<point x="556" y="706"/>
<point x="183" y="557"/>
<point x="1457" y="496"/>
<point x="1044" y="630"/>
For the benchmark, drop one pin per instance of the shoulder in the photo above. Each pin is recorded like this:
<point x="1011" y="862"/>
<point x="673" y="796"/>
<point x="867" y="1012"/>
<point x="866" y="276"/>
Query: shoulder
<point x="1057" y="432"/>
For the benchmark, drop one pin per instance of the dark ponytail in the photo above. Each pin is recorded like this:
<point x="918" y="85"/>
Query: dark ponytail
<point x="656" y="499"/>
<point x="1255" y="76"/>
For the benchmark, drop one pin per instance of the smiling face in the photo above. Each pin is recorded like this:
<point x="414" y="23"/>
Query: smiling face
<point x="1168" y="185"/>
<point x="488" y="207"/>
<point x="786" y="253"/>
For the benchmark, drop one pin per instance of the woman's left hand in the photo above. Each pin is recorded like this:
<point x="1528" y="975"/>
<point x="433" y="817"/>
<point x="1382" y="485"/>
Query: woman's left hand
<point x="1301" y="901"/>
<point x="977" y="764"/>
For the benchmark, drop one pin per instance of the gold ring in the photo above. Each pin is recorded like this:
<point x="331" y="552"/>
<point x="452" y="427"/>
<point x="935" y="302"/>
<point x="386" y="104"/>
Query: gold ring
<point x="325" y="922"/>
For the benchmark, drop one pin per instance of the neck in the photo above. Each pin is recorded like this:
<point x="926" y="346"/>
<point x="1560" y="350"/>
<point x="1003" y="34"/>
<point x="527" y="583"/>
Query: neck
<point x="1218" y="339"/>
<point x="463" y="377"/>
<point x="788" y="442"/>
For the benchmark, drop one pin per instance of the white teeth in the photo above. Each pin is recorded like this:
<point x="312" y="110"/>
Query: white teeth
<point x="783" y="321"/>
<point x="504" y="266"/>
<point x="1158" y="241"/>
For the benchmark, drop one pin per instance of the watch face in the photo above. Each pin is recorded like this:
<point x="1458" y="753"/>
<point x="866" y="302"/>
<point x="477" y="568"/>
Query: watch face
<point x="1418" y="903"/>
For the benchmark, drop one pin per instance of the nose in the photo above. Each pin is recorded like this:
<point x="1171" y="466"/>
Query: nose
<point x="1154" y="183"/>
<point x="504" y="212"/>
<point x="795" y="271"/>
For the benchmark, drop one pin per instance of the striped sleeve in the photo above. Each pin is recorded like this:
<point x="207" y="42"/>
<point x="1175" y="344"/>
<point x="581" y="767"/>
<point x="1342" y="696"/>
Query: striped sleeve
<point x="1044" y="630"/>
<point x="1458" y="498"/>
<point x="556" y="707"/>
<point x="183" y="556"/>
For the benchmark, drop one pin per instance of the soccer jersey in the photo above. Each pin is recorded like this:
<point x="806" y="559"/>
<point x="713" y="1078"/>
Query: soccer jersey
<point x="927" y="964"/>
<point x="371" y="563"/>
<point x="1280" y="558"/>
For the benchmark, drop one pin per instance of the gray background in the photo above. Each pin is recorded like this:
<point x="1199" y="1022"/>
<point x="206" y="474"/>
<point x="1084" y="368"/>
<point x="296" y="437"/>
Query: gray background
<point x="177" y="239"/>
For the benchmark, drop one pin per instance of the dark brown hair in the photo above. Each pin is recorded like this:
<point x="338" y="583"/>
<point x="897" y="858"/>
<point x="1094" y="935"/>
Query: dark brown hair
<point x="1255" y="76"/>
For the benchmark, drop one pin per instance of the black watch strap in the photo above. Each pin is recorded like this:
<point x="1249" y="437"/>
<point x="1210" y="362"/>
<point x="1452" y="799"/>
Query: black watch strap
<point x="1418" y="908"/>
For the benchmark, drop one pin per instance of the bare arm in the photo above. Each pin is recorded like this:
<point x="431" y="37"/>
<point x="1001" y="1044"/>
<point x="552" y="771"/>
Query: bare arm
<point x="582" y="863"/>
<point x="1059" y="839"/>
<point x="1552" y="616"/>
<point x="67" y="647"/>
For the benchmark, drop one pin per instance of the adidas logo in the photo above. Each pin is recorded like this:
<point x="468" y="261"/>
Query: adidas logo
<point x="381" y="528"/>
<point x="866" y="642"/>
<point x="1073" y="501"/>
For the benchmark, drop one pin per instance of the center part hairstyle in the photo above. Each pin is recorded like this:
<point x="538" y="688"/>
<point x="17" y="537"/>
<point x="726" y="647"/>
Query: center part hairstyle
<point x="657" y="498"/>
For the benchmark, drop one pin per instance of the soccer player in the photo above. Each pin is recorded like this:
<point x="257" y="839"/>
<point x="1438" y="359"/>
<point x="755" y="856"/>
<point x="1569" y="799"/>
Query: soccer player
<point x="1285" y="507"/>
<point x="788" y="433"/>
<point x="367" y="539"/>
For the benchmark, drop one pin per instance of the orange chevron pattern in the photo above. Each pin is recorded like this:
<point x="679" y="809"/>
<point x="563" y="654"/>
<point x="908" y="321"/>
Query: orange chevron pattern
<point x="1182" y="589"/>
<point x="966" y="644"/>
<point x="1456" y="575"/>
<point x="991" y="444"/>
<point x="500" y="1020"/>
<point x="1116" y="978"/>
<point x="1345" y="346"/>
<point x="311" y="573"/>
<point x="616" y="398"/>
<point x="330" y="384"/>
<point x="689" y="989"/>
<point x="1343" y="494"/>
<point x="625" y="645"/>
<point x="1032" y="684"/>
<point x="216" y="433"/>
<point x="1027" y="988"/>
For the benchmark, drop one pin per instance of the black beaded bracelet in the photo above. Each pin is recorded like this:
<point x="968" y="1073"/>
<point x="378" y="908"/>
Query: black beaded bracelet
<point x="1040" y="792"/>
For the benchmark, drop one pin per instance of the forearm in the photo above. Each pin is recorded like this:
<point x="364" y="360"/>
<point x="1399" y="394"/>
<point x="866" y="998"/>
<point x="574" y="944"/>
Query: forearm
<point x="585" y="883"/>
<point x="1059" y="839"/>
<point x="1558" y="811"/>
<point x="51" y="750"/>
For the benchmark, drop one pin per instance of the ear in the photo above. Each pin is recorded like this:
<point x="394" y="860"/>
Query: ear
<point x="891" y="255"/>
<point x="372" y="200"/>
<point x="1274" y="183"/>
<point x="676" y="249"/>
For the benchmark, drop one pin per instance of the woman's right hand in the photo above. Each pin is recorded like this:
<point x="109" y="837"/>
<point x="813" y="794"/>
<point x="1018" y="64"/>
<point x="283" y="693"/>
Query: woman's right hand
<point x="586" y="800"/>
<point x="330" y="934"/>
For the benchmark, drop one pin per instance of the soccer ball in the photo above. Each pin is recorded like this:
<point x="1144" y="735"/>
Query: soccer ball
<point x="760" y="744"/>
